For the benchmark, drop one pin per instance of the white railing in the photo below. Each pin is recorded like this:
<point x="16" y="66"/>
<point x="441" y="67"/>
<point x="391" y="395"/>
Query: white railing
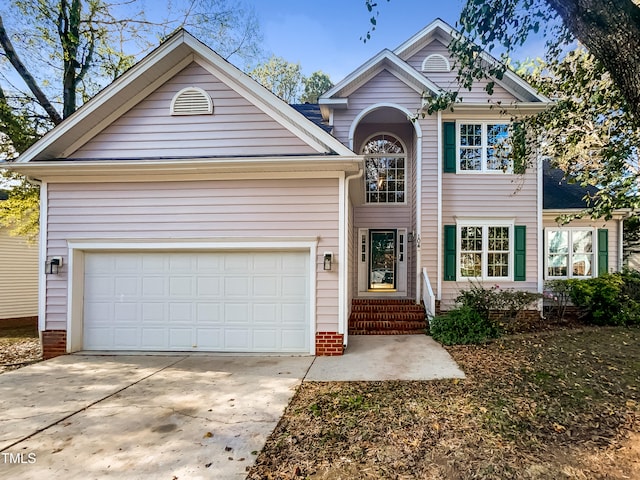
<point x="428" y="298"/>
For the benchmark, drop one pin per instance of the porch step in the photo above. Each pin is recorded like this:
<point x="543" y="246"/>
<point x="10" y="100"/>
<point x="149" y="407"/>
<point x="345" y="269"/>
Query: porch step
<point x="386" y="317"/>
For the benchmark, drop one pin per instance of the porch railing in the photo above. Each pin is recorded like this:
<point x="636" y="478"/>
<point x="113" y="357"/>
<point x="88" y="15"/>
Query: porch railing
<point x="428" y="298"/>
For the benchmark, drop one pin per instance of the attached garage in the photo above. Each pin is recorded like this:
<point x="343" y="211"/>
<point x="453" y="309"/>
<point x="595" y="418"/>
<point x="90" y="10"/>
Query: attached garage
<point x="210" y="301"/>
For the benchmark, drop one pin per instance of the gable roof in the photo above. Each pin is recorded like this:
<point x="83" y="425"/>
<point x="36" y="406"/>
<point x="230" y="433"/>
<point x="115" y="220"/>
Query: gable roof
<point x="396" y="62"/>
<point x="441" y="30"/>
<point x="157" y="67"/>
<point x="385" y="60"/>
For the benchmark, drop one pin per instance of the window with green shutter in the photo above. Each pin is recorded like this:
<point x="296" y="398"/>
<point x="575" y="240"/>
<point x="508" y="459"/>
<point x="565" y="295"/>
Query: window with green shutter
<point x="450" y="252"/>
<point x="603" y="251"/>
<point x="450" y="156"/>
<point x="520" y="253"/>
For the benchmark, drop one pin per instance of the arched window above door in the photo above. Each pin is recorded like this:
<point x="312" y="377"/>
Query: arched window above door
<point x="385" y="166"/>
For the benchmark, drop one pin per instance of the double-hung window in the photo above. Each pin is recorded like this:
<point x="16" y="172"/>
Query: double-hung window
<point x="485" y="250"/>
<point x="569" y="253"/>
<point x="483" y="147"/>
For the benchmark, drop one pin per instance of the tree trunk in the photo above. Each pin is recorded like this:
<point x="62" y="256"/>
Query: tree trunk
<point x="13" y="57"/>
<point x="610" y="29"/>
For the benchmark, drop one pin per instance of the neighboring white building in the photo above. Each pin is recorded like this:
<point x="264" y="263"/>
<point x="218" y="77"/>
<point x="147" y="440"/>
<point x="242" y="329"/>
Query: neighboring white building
<point x="18" y="277"/>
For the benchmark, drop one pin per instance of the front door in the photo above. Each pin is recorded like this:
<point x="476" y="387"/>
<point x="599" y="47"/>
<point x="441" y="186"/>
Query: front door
<point x="382" y="269"/>
<point x="382" y="260"/>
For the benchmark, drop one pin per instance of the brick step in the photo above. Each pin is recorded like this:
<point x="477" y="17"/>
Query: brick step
<point x="373" y="316"/>
<point x="388" y="315"/>
<point x="382" y="325"/>
<point x="389" y="309"/>
<point x="382" y="301"/>
<point x="387" y="332"/>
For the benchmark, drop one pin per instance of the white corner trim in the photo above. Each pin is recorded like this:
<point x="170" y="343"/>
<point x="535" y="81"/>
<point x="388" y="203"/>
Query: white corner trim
<point x="439" y="253"/>
<point x="42" y="258"/>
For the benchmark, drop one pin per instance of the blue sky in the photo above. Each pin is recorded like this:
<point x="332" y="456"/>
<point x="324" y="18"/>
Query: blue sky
<point x="325" y="34"/>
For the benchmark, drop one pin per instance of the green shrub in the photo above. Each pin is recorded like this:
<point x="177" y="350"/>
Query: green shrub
<point x="505" y="302"/>
<point x="612" y="299"/>
<point x="461" y="326"/>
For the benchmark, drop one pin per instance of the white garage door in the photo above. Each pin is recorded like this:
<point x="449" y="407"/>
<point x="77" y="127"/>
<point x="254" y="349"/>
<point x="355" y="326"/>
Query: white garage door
<point x="197" y="301"/>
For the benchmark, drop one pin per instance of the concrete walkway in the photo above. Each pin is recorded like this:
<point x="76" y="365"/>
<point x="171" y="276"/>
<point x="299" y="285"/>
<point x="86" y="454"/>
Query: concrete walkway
<point x="175" y="416"/>
<point x="386" y="357"/>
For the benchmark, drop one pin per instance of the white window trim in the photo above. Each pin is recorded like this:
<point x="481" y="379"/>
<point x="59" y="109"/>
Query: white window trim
<point x="485" y="223"/>
<point x="594" y="252"/>
<point x="406" y="171"/>
<point x="483" y="160"/>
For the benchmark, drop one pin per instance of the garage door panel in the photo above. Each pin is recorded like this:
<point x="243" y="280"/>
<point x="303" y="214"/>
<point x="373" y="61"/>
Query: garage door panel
<point x="266" y="313"/>
<point x="180" y="338"/>
<point x="208" y="301"/>
<point x="236" y="339"/>
<point x="292" y="337"/>
<point x="126" y="312"/>
<point x="208" y="286"/>
<point x="154" y="338"/>
<point x="266" y="340"/>
<point x="126" y="337"/>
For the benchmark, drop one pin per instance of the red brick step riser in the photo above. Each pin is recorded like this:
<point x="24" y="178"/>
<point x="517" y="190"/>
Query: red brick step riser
<point x="386" y="317"/>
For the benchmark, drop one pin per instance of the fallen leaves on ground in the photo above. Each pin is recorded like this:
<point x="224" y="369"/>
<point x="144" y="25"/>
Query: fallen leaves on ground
<point x="554" y="405"/>
<point x="19" y="346"/>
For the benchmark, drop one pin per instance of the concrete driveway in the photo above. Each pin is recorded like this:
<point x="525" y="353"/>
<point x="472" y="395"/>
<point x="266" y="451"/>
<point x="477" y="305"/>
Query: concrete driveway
<point x="175" y="417"/>
<point x="160" y="417"/>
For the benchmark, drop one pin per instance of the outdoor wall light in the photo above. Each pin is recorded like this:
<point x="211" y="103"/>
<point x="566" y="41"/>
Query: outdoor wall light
<point x="328" y="258"/>
<point x="52" y="267"/>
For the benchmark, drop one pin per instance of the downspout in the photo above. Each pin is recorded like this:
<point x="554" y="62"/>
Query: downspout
<point x="344" y="285"/>
<point x="620" y="244"/>
<point x="42" y="254"/>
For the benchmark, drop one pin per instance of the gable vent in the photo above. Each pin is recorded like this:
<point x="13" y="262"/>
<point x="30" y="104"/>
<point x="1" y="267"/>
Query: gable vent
<point x="191" y="101"/>
<point x="435" y="63"/>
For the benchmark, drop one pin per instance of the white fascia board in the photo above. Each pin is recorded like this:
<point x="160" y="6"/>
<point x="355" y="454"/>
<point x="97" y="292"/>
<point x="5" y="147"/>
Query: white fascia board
<point x="129" y="77"/>
<point x="384" y="59"/>
<point x="185" y="169"/>
<point x="552" y="214"/>
<point x="436" y="24"/>
<point x="338" y="103"/>
<point x="525" y="108"/>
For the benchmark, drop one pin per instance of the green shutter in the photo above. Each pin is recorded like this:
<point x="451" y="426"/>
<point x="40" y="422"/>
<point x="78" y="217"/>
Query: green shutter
<point x="603" y="251"/>
<point x="450" y="252"/>
<point x="449" y="147"/>
<point x="520" y="253"/>
<point x="519" y="142"/>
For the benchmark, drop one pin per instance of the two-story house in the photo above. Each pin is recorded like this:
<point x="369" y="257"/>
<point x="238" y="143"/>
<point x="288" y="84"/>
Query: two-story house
<point x="186" y="208"/>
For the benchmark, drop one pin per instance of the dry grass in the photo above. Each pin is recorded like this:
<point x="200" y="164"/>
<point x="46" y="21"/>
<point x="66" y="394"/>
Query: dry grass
<point x="555" y="405"/>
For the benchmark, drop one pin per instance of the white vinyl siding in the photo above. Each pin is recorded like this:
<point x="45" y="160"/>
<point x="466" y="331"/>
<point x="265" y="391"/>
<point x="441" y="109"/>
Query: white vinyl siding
<point x="195" y="210"/>
<point x="237" y="128"/>
<point x="19" y="278"/>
